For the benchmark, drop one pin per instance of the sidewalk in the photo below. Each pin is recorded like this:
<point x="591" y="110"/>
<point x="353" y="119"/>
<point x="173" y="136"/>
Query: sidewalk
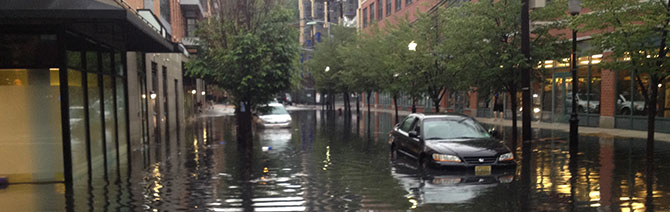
<point x="594" y="131"/>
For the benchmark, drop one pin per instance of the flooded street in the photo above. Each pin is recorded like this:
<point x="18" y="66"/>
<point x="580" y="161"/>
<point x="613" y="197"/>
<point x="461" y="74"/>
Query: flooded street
<point x="331" y="163"/>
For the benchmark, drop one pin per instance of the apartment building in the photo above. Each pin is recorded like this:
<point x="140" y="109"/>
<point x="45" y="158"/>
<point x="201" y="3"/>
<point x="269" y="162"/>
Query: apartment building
<point x="606" y="98"/>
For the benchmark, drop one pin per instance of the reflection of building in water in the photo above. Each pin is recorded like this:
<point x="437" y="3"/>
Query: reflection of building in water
<point x="611" y="175"/>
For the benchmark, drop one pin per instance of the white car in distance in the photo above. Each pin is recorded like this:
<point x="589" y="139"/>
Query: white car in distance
<point x="273" y="115"/>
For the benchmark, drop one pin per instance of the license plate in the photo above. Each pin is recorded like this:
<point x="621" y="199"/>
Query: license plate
<point x="482" y="170"/>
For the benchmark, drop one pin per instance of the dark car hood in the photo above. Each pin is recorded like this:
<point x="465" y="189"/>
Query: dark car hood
<point x="468" y="147"/>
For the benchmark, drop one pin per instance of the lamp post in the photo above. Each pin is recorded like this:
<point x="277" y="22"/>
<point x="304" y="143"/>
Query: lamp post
<point x="412" y="47"/>
<point x="574" y="6"/>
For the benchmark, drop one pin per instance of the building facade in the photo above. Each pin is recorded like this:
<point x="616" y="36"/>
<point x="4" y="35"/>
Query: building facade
<point x="88" y="84"/>
<point x="606" y="98"/>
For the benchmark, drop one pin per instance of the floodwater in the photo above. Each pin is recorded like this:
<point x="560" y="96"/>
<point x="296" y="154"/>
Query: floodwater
<point x="334" y="162"/>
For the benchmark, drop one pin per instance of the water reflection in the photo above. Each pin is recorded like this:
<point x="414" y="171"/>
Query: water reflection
<point x="334" y="162"/>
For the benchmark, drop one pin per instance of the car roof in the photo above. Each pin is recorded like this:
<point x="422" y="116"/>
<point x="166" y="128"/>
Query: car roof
<point x="440" y="115"/>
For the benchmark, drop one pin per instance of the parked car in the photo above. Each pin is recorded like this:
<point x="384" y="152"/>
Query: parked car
<point x="586" y="102"/>
<point x="624" y="106"/>
<point x="452" y="140"/>
<point x="272" y="115"/>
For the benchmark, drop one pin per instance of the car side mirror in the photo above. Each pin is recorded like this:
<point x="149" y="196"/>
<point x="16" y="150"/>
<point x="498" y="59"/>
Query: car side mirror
<point x="413" y="134"/>
<point x="495" y="133"/>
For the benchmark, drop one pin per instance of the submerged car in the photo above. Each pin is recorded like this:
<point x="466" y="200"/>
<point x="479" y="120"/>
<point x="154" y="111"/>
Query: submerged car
<point x="451" y="140"/>
<point x="273" y="115"/>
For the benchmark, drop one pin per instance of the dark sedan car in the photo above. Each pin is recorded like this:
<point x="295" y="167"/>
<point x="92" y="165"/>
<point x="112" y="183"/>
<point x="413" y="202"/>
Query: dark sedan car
<point x="452" y="140"/>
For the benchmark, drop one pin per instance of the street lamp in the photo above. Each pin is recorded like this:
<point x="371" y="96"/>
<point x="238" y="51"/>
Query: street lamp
<point x="412" y="46"/>
<point x="327" y="69"/>
<point x="574" y="6"/>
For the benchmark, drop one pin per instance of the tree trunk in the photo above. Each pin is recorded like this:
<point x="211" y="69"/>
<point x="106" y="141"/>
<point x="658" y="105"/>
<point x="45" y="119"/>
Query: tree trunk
<point x="513" y="104"/>
<point x="395" y="106"/>
<point x="413" y="104"/>
<point x="651" y="113"/>
<point x="437" y="105"/>
<point x="368" y="102"/>
<point x="244" y="123"/>
<point x="358" y="104"/>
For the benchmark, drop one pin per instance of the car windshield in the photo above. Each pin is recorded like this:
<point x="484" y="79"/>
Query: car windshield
<point x="274" y="110"/>
<point x="449" y="128"/>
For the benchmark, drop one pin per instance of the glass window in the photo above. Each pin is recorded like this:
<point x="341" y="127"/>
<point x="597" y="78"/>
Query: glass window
<point x="74" y="59"/>
<point x="398" y="5"/>
<point x="165" y="10"/>
<point x="107" y="65"/>
<point x="624" y="95"/>
<point x="372" y="12"/>
<point x="445" y="128"/>
<point x="388" y="7"/>
<point x="30" y="127"/>
<point x="77" y="123"/>
<point x="365" y="17"/>
<point x="110" y="119"/>
<point x="190" y="27"/>
<point x="92" y="61"/>
<point x="118" y="64"/>
<point x="408" y="2"/>
<point x="380" y="10"/>
<point x="664" y="99"/>
<point x="95" y="125"/>
<point x="274" y="110"/>
<point x="407" y="124"/>
<point x="593" y="99"/>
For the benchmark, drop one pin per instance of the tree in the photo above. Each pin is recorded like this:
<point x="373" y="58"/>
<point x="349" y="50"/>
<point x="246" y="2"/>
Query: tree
<point x="327" y="66"/>
<point x="489" y="35"/>
<point x="249" y="50"/>
<point x="636" y="33"/>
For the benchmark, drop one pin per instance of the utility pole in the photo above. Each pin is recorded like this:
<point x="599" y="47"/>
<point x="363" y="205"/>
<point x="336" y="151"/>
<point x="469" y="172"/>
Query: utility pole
<point x="525" y="73"/>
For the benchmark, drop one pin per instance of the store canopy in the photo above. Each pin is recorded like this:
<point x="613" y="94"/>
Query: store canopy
<point x="103" y="20"/>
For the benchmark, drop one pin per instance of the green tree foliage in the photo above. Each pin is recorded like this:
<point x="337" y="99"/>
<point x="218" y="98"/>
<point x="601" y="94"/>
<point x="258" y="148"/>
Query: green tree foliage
<point x="251" y="57"/>
<point x="249" y="49"/>
<point x="488" y="36"/>
<point x="636" y="34"/>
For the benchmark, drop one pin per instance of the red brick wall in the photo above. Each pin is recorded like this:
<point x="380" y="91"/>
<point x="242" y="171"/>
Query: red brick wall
<point x="473" y="99"/>
<point x="406" y="10"/>
<point x="607" y="93"/>
<point x="177" y="21"/>
<point x="135" y="4"/>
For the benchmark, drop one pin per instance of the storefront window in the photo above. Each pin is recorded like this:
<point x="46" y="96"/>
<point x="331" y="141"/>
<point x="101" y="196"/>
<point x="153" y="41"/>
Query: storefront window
<point x="593" y="97"/>
<point x="624" y="93"/>
<point x="110" y="127"/>
<point x="30" y="127"/>
<point x="77" y="121"/>
<point x="664" y="99"/>
<point x="95" y="125"/>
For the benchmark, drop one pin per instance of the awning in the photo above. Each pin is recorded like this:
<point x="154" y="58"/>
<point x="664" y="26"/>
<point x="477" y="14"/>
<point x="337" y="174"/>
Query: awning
<point x="135" y="32"/>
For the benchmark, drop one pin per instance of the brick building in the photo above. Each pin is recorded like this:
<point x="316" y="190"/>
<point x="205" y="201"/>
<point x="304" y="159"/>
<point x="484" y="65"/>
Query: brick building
<point x="606" y="98"/>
